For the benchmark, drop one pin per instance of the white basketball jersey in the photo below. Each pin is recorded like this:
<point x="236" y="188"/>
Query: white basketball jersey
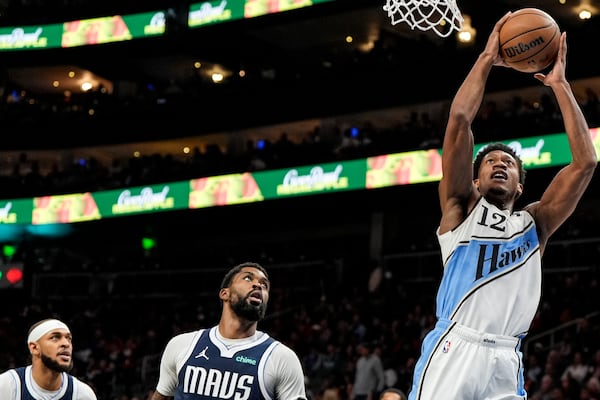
<point x="492" y="271"/>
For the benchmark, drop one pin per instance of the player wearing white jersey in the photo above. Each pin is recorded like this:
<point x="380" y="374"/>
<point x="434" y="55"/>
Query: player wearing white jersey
<point x="204" y="364"/>
<point x="491" y="254"/>
<point x="47" y="378"/>
<point x="232" y="360"/>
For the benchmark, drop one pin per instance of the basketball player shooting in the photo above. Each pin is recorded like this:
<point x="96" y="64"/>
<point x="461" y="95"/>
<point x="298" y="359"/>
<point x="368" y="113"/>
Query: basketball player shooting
<point x="491" y="253"/>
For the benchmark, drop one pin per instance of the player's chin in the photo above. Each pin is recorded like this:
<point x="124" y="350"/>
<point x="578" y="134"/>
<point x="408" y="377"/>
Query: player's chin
<point x="499" y="188"/>
<point x="64" y="366"/>
<point x="260" y="310"/>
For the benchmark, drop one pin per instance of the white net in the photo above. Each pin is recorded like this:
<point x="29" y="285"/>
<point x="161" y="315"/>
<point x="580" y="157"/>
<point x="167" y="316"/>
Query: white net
<point x="441" y="16"/>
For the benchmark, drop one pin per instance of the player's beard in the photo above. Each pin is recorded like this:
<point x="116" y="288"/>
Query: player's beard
<point x="249" y="311"/>
<point x="54" y="366"/>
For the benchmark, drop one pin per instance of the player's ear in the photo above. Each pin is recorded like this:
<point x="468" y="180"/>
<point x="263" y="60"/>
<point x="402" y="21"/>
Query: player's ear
<point x="519" y="191"/>
<point x="476" y="183"/>
<point x="33" y="347"/>
<point x="224" y="293"/>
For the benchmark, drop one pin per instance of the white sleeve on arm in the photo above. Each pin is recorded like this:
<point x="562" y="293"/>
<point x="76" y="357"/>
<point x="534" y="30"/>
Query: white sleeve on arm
<point x="171" y="361"/>
<point x="8" y="386"/>
<point x="84" y="391"/>
<point x="286" y="373"/>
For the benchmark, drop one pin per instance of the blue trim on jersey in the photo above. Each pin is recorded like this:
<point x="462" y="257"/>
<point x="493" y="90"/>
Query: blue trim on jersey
<point x="431" y="342"/>
<point x="477" y="263"/>
<point x="26" y="394"/>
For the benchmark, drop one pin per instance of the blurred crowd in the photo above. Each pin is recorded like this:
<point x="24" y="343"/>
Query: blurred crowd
<point x="118" y="342"/>
<point x="498" y="120"/>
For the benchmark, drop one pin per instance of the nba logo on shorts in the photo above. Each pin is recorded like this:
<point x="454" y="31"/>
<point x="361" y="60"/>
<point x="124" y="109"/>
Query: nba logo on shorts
<point x="446" y="347"/>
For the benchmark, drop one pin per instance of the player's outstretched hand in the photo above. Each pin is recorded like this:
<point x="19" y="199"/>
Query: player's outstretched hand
<point x="493" y="43"/>
<point x="557" y="73"/>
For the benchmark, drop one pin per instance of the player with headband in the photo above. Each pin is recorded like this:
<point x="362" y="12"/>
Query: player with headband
<point x="47" y="378"/>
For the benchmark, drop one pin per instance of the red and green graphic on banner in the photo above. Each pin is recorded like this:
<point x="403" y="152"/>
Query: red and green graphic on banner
<point x="386" y="170"/>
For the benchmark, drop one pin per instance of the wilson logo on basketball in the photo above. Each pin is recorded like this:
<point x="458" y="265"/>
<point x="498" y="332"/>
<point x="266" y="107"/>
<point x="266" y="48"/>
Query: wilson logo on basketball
<point x="521" y="48"/>
<point x="529" y="40"/>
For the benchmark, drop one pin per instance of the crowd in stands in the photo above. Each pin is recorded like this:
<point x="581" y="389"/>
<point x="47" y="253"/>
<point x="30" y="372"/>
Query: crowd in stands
<point x="118" y="341"/>
<point x="513" y="118"/>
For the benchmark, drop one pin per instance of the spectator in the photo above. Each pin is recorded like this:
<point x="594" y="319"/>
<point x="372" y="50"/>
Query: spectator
<point x="392" y="394"/>
<point x="369" y="378"/>
<point x="578" y="369"/>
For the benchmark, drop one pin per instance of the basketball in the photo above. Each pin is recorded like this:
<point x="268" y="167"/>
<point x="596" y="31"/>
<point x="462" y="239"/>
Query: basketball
<point x="529" y="40"/>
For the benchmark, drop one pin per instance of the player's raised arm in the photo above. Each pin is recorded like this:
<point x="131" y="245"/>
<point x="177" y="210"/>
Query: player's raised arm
<point x="456" y="188"/>
<point x="564" y="192"/>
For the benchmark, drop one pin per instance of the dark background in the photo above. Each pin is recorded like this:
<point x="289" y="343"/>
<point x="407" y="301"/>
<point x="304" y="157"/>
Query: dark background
<point x="323" y="246"/>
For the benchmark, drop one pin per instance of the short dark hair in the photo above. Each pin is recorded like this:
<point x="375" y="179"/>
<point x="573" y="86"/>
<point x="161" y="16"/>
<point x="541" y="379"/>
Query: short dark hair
<point x="502" y="147"/>
<point x="233" y="271"/>
<point x="393" y="390"/>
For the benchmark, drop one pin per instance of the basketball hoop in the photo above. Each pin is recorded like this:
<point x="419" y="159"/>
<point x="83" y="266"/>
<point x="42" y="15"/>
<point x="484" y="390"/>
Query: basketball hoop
<point x="441" y="16"/>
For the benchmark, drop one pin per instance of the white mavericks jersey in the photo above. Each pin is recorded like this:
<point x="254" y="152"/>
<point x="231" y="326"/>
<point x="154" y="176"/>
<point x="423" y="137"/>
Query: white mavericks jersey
<point x="18" y="384"/>
<point x="204" y="365"/>
<point x="492" y="271"/>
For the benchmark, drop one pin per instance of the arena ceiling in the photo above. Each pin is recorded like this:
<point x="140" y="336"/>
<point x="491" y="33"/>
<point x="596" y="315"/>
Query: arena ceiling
<point x="298" y="58"/>
<point x="306" y="41"/>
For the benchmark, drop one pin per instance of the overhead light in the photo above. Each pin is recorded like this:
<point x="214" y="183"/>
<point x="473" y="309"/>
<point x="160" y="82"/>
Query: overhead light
<point x="585" y="14"/>
<point x="467" y="32"/>
<point x="86" y="86"/>
<point x="586" y="10"/>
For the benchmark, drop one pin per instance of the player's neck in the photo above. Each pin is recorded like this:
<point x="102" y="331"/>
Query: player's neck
<point x="236" y="328"/>
<point x="46" y="378"/>
<point x="500" y="202"/>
